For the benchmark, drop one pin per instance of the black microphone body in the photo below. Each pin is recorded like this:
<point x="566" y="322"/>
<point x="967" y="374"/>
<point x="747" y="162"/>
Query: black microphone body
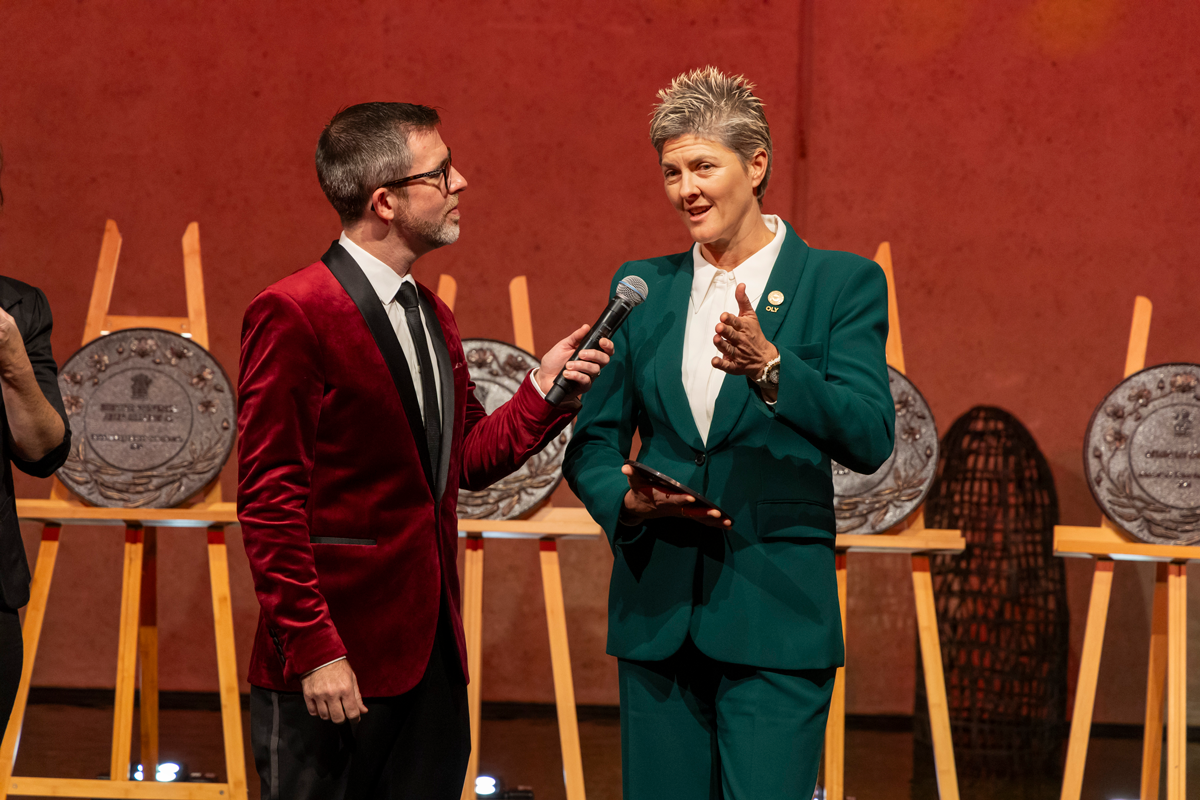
<point x="618" y="309"/>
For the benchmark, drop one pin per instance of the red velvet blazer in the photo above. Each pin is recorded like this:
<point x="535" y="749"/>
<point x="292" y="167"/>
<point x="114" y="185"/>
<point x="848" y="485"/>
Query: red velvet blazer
<point x="351" y="534"/>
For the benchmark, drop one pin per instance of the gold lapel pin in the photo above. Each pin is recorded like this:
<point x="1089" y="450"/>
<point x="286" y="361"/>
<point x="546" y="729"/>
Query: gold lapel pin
<point x="775" y="298"/>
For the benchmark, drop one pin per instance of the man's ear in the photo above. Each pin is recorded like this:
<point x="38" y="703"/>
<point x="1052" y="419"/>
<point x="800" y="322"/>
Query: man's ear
<point x="384" y="204"/>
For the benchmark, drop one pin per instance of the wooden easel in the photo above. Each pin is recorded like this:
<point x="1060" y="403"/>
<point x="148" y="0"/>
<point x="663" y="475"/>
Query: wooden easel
<point x="1108" y="544"/>
<point x="138" y="626"/>
<point x="548" y="526"/>
<point x="914" y="538"/>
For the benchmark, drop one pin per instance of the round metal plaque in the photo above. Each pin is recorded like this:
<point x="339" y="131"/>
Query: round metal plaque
<point x="1142" y="454"/>
<point x="497" y="368"/>
<point x="867" y="504"/>
<point x="152" y="419"/>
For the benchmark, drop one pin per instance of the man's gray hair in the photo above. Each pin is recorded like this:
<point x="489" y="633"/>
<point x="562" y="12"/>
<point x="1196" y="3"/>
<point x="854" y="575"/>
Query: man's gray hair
<point x="364" y="147"/>
<point x="712" y="105"/>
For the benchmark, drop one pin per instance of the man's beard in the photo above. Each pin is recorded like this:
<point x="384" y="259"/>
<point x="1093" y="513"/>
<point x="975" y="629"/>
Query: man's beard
<point x="433" y="233"/>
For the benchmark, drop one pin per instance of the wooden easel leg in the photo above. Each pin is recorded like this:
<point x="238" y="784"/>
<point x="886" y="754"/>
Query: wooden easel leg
<point x="1177" y="682"/>
<point x="935" y="681"/>
<point x="835" y="728"/>
<point x="1152" y="735"/>
<point x="131" y="585"/>
<point x="102" y="286"/>
<point x="518" y="298"/>
<point x="227" y="673"/>
<point x="31" y="634"/>
<point x="193" y="282"/>
<point x="560" y="660"/>
<point x="447" y="290"/>
<point x="1089" y="671"/>
<point x="148" y="655"/>
<point x="473" y="631"/>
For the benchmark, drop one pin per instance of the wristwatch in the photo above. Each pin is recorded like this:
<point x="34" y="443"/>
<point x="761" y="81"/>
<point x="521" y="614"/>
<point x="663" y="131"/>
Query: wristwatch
<point x="770" y="374"/>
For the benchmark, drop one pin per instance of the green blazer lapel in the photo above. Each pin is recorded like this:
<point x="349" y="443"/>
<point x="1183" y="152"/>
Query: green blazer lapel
<point x="668" y="356"/>
<point x="785" y="277"/>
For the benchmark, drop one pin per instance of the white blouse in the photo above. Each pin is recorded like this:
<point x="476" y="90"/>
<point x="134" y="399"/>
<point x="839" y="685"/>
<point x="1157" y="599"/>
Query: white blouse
<point x="713" y="294"/>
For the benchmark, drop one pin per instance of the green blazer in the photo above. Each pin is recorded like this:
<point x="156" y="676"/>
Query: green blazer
<point x="764" y="592"/>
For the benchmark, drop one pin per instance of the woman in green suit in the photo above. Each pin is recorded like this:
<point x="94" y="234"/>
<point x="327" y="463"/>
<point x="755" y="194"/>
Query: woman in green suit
<point x="754" y="361"/>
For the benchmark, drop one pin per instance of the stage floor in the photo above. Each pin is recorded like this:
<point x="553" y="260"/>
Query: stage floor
<point x="73" y="742"/>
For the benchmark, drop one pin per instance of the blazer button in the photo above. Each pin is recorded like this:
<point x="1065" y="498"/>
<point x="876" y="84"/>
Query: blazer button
<point x="700" y="459"/>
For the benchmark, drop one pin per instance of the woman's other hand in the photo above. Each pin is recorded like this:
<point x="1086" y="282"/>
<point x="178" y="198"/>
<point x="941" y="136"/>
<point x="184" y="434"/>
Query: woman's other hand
<point x="646" y="500"/>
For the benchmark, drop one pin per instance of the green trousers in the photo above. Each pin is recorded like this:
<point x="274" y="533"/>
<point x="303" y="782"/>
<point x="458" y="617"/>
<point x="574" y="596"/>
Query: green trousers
<point x="694" y="728"/>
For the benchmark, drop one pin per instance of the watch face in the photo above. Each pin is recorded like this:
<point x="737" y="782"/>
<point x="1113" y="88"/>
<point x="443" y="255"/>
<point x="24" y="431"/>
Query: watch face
<point x="770" y="376"/>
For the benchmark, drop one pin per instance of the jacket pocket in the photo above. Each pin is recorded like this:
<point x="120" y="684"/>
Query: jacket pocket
<point x="811" y="352"/>
<point x="795" y="519"/>
<point x="341" y="540"/>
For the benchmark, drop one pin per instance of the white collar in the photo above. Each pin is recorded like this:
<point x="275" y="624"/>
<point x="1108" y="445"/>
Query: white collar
<point x="755" y="271"/>
<point x="383" y="279"/>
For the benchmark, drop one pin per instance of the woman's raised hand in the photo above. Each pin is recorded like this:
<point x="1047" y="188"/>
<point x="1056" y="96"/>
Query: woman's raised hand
<point x="744" y="348"/>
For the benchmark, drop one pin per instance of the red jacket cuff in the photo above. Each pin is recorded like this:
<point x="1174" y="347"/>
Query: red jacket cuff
<point x="308" y="648"/>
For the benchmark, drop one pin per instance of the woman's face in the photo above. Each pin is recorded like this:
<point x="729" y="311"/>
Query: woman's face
<point x="710" y="187"/>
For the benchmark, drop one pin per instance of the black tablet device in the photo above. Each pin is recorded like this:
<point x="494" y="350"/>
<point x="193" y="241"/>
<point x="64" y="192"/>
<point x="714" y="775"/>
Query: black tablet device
<point x="651" y="475"/>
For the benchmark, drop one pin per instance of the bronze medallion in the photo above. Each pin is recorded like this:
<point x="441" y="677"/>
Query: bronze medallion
<point x="152" y="419"/>
<point x="1142" y="454"/>
<point x="868" y="504"/>
<point x="497" y="368"/>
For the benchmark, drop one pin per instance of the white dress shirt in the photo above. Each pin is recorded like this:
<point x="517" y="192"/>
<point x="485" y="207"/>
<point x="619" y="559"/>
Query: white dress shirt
<point x="386" y="283"/>
<point x="713" y="293"/>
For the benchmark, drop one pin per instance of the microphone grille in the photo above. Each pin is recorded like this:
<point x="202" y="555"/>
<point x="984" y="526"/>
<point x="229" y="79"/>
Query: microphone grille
<point x="632" y="289"/>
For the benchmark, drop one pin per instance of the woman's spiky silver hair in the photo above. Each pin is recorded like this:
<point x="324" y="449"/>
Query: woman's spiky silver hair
<point x="712" y="105"/>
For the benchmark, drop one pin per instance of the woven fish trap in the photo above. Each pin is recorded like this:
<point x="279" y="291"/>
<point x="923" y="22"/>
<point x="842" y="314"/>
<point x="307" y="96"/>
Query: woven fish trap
<point x="1001" y="604"/>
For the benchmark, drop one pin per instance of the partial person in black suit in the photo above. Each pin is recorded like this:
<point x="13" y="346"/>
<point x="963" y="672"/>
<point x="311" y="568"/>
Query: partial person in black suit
<point x="36" y="439"/>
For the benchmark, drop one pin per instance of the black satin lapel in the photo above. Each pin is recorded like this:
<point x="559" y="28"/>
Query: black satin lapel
<point x="441" y="352"/>
<point x="785" y="277"/>
<point x="351" y="277"/>
<point x="669" y="355"/>
<point x="9" y="296"/>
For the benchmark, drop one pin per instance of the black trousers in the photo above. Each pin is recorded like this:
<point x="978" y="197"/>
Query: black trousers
<point x="12" y="656"/>
<point x="411" y="747"/>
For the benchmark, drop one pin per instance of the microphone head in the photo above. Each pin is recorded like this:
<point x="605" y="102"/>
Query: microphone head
<point x="632" y="290"/>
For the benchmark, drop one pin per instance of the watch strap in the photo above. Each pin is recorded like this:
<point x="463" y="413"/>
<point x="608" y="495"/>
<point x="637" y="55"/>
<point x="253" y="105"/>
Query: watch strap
<point x="763" y="380"/>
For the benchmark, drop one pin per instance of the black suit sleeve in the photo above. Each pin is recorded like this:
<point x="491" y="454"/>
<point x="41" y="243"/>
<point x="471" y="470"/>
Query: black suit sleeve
<point x="35" y="326"/>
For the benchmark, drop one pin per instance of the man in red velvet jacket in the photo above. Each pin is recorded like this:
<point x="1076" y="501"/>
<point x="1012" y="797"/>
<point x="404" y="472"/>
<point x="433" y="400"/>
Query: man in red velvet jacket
<point x="357" y="424"/>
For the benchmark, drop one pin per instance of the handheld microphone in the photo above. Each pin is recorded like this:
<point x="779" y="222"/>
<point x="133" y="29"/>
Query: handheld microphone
<point x="631" y="291"/>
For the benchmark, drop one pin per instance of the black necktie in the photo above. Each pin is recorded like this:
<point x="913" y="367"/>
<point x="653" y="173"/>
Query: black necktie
<point x="433" y="417"/>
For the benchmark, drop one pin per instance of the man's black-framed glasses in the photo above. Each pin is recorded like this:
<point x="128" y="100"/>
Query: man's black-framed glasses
<point x="442" y="171"/>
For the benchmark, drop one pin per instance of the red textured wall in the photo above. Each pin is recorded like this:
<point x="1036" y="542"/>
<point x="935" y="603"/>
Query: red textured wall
<point x="1033" y="163"/>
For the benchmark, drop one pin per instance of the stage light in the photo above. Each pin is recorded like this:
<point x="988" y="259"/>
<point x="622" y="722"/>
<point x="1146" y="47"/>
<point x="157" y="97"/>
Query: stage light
<point x="137" y="773"/>
<point x="167" y="772"/>
<point x="485" y="786"/>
